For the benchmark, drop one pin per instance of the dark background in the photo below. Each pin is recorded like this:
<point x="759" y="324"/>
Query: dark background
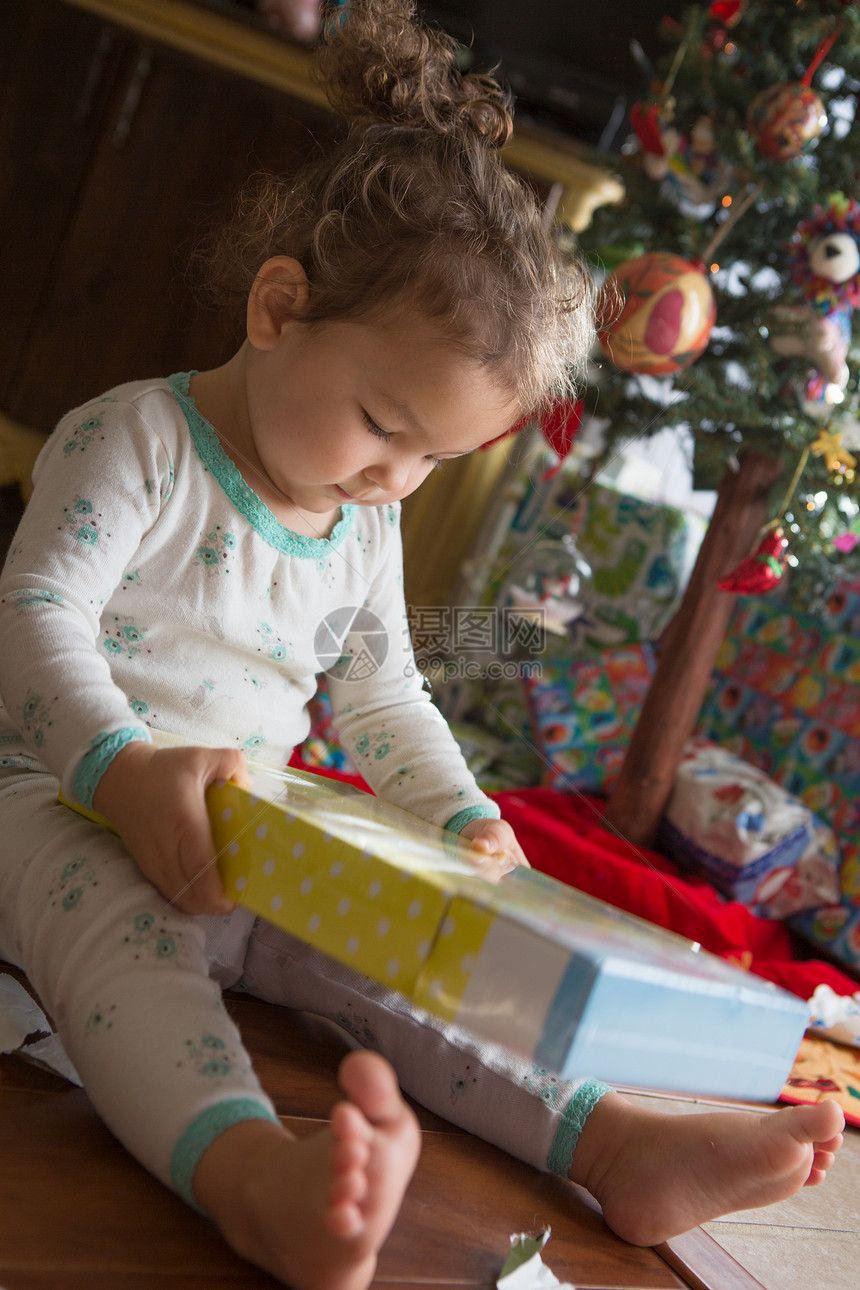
<point x="567" y="61"/>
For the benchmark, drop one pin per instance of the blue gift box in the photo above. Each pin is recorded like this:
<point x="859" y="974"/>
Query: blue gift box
<point x="588" y="990"/>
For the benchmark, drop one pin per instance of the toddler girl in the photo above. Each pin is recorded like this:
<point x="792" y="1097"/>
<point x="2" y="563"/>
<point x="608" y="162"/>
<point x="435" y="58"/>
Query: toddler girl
<point x="192" y="548"/>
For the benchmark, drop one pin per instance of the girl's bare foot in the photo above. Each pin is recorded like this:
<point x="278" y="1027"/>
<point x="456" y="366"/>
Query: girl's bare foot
<point x="657" y="1175"/>
<point x="314" y="1212"/>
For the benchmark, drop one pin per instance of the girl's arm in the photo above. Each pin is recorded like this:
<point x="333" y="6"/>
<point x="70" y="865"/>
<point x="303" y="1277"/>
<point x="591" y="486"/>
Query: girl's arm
<point x="394" y="734"/>
<point x="101" y="483"/>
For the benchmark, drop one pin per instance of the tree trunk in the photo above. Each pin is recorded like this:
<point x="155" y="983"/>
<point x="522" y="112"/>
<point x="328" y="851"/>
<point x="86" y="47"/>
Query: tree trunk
<point x="688" y="651"/>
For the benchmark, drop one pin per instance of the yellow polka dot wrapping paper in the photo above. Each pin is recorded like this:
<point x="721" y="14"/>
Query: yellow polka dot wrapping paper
<point x="341" y="871"/>
<point x="553" y="974"/>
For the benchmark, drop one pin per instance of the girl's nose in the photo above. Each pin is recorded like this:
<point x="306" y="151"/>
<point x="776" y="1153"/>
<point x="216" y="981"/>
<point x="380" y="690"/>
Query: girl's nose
<point x="389" y="476"/>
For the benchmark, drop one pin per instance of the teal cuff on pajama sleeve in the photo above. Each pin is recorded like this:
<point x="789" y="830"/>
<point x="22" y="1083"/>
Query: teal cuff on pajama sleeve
<point x="202" y="1132"/>
<point x="101" y="754"/>
<point x="462" y="818"/>
<point x="577" y="1111"/>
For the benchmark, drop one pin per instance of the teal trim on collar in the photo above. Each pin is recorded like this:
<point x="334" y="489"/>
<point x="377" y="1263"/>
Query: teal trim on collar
<point x="243" y="497"/>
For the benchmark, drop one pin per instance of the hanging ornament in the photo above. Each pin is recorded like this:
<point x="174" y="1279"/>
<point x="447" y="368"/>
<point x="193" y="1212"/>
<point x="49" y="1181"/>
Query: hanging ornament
<point x="785" y="120"/>
<point x="559" y="425"/>
<point x="824" y="255"/>
<point x="762" y="570"/>
<point x="549" y="584"/>
<point x="727" y="12"/>
<point x="824" y="262"/>
<point x="836" y="456"/>
<point x="724" y="14"/>
<point x="666" y="317"/>
<point x="800" y="331"/>
<point x="690" y="164"/>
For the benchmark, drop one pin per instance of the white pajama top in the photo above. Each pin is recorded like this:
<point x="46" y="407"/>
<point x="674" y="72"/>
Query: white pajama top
<point x="148" y="587"/>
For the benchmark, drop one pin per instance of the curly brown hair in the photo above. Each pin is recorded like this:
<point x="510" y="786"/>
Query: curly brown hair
<point x="414" y="209"/>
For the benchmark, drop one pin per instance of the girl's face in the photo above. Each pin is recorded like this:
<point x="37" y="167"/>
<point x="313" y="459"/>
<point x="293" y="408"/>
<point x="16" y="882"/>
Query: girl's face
<point x="362" y="411"/>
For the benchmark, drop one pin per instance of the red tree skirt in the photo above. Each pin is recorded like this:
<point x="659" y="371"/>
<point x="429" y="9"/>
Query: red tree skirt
<point x="562" y="835"/>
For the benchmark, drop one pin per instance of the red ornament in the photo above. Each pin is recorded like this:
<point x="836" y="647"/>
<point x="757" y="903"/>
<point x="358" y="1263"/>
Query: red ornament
<point x="559" y="425"/>
<point x="666" y="318"/>
<point x="646" y="119"/>
<point x="760" y="571"/>
<point x="727" y="12"/>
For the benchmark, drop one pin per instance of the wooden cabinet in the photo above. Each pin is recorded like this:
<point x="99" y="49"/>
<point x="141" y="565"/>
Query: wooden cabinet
<point x="126" y="127"/>
<point x="117" y="151"/>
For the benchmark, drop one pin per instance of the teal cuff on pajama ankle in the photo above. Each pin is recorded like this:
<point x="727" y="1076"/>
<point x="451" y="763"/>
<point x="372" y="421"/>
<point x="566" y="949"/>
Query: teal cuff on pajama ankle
<point x="202" y="1132"/>
<point x="577" y="1111"/>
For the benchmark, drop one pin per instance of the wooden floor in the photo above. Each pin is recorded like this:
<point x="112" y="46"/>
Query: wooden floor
<point x="77" y="1213"/>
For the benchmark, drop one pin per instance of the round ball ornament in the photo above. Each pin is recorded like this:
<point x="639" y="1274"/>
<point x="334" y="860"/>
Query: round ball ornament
<point x="785" y="120"/>
<point x="666" y="317"/>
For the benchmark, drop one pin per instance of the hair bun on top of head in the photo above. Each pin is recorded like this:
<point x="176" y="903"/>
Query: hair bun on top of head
<point x="380" y="64"/>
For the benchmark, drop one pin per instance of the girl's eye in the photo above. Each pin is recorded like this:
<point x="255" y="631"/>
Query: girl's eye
<point x="370" y="424"/>
<point x="374" y="428"/>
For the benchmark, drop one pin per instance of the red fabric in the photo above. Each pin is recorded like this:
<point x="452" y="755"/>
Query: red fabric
<point x="563" y="836"/>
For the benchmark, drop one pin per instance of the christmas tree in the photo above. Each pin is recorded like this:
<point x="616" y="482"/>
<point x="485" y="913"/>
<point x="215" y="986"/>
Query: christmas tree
<point x="734" y="270"/>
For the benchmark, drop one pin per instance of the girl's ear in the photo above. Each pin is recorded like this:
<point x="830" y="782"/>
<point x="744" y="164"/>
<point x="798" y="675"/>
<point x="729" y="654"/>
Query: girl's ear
<point x="279" y="296"/>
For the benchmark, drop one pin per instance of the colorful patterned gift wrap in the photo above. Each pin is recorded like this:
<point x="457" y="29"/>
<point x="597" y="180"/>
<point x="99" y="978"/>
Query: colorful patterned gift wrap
<point x="584" y="712"/>
<point x="824" y="1070"/>
<point x="525" y="962"/>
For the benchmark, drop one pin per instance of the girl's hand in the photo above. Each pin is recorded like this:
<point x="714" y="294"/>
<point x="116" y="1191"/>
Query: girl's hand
<point x="497" y="840"/>
<point x="155" y="799"/>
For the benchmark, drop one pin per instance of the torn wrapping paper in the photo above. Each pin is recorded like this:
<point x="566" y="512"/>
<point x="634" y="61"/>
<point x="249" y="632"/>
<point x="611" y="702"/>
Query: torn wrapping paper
<point x="525" y="1269"/>
<point x="835" y="1016"/>
<point x="21" y="1016"/>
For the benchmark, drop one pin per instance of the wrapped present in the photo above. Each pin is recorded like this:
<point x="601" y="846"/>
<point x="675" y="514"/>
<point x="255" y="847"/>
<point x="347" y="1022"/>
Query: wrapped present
<point x="641" y="554"/>
<point x="584" y="711"/>
<point x="786" y="697"/>
<point x="834" y="928"/>
<point x="756" y="842"/>
<point x="526" y="962"/>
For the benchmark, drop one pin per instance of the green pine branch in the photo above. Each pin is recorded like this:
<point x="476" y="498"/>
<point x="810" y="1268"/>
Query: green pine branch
<point x="740" y="393"/>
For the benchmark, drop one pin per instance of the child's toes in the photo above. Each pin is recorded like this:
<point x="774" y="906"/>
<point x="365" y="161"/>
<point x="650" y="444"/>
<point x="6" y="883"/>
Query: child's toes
<point x="821" y="1162"/>
<point x="349" y="1126"/>
<point x="348" y="1187"/>
<point x="345" y="1220"/>
<point x="354" y="1153"/>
